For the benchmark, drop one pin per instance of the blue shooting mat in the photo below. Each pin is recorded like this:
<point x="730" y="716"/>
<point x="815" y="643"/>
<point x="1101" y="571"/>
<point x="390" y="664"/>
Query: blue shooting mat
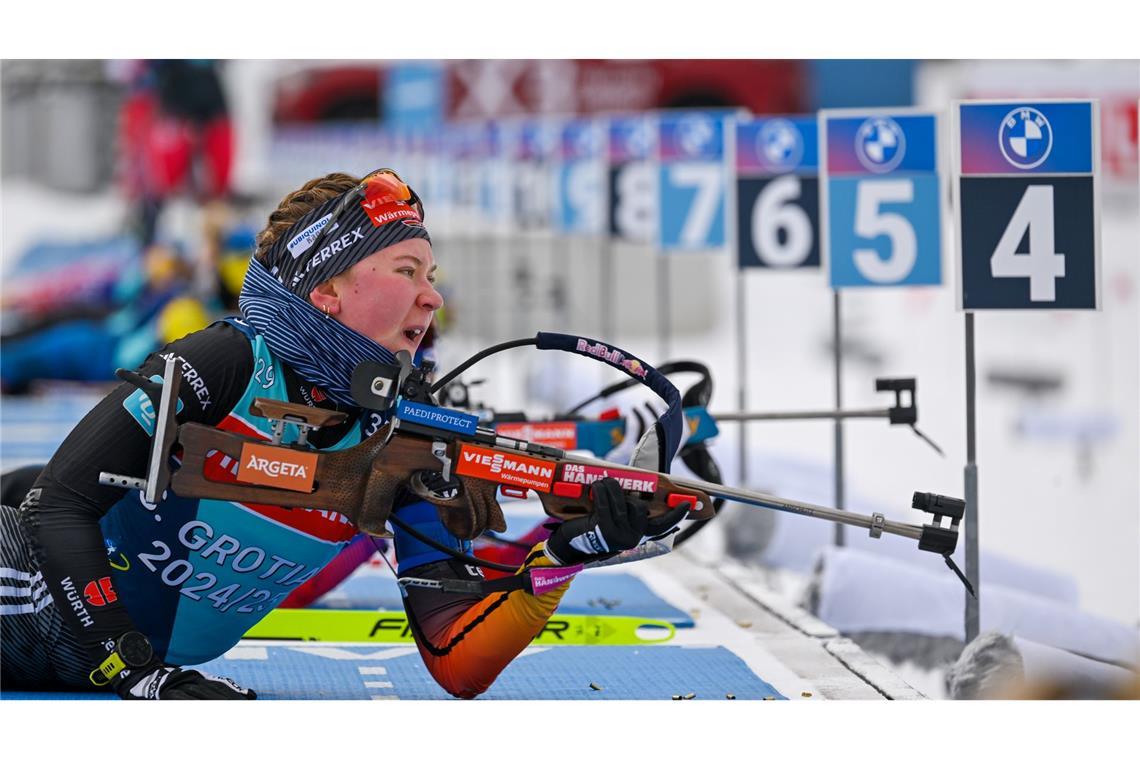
<point x="314" y="671"/>
<point x="32" y="427"/>
<point x="589" y="594"/>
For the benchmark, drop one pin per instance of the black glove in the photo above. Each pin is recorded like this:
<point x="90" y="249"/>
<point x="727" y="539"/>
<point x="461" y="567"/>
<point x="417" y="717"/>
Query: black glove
<point x="161" y="681"/>
<point x="616" y="524"/>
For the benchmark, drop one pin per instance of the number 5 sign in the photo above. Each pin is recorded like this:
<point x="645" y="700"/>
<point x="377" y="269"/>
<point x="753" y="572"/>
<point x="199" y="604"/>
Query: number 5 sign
<point x="1028" y="211"/>
<point x="881" y="209"/>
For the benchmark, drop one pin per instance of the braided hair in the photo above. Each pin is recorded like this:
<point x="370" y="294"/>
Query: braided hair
<point x="298" y="203"/>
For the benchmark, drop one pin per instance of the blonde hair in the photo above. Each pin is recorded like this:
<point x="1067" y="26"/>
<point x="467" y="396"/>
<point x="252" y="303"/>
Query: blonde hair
<point x="296" y="204"/>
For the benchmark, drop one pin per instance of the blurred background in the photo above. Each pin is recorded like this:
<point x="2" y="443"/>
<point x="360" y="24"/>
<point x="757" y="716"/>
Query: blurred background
<point x="132" y="191"/>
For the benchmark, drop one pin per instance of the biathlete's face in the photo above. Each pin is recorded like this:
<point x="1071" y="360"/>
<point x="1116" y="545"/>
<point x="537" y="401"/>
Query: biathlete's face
<point x="389" y="297"/>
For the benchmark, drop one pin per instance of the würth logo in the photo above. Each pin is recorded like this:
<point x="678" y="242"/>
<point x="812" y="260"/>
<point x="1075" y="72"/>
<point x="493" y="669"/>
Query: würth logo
<point x="99" y="593"/>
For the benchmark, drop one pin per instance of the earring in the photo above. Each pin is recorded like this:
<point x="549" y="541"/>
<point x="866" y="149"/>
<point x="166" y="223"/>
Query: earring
<point x="326" y="308"/>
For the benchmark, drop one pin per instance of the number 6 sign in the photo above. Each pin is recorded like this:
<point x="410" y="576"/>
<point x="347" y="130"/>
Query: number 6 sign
<point x="778" y="192"/>
<point x="1028" y="206"/>
<point x="881" y="209"/>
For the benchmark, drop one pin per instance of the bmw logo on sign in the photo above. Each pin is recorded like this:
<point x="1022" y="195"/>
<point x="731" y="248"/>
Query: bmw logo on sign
<point x="640" y="139"/>
<point x="880" y="144"/>
<point x="781" y="144"/>
<point x="694" y="133"/>
<point x="1026" y="138"/>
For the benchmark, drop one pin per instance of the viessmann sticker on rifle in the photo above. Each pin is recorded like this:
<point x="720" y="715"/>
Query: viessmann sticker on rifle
<point x="630" y="481"/>
<point x="280" y="468"/>
<point x="563" y="435"/>
<point x="513" y="469"/>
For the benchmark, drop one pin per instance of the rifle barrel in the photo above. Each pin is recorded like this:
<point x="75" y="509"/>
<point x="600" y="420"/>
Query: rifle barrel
<point x="759" y="499"/>
<point x="761" y="416"/>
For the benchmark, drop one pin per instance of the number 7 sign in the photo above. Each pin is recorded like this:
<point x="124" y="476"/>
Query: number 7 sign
<point x="693" y="179"/>
<point x="1028" y="210"/>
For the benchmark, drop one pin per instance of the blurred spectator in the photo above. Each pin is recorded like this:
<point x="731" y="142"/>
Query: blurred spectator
<point x="155" y="309"/>
<point x="174" y="131"/>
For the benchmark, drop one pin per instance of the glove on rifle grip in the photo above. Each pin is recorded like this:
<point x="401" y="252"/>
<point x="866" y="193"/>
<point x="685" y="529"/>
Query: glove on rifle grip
<point x="379" y="494"/>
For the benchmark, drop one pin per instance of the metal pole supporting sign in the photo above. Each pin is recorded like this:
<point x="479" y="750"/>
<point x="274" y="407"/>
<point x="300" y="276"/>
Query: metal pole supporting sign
<point x="881" y="212"/>
<point x="1023" y="171"/>
<point x="777" y="215"/>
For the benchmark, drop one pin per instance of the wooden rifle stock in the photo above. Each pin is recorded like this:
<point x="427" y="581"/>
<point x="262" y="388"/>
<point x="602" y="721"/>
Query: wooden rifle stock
<point x="363" y="481"/>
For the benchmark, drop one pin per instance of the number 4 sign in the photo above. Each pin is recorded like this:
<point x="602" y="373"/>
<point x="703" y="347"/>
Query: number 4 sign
<point x="1028" y="211"/>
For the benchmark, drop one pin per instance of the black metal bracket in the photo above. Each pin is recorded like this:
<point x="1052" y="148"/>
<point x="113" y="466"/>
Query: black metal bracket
<point x="940" y="538"/>
<point x="900" y="413"/>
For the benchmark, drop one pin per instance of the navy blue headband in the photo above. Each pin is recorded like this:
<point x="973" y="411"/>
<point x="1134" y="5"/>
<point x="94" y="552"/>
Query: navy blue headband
<point x="312" y="252"/>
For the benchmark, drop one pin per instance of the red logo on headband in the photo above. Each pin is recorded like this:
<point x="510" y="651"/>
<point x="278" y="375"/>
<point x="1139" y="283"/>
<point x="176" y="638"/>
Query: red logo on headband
<point x="382" y="213"/>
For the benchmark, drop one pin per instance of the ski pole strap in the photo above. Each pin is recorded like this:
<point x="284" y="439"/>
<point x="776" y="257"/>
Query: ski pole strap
<point x="644" y="373"/>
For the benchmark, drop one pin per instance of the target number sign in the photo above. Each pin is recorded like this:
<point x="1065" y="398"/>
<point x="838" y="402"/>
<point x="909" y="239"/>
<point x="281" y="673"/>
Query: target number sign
<point x="581" y="192"/>
<point x="533" y="168"/>
<point x="777" y="191"/>
<point x="1026" y="175"/>
<point x="692" y="180"/>
<point x="632" y="181"/>
<point x="881" y="207"/>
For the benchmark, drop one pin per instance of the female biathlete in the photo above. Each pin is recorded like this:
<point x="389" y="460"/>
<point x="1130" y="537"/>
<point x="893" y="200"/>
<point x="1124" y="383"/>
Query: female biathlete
<point x="103" y="588"/>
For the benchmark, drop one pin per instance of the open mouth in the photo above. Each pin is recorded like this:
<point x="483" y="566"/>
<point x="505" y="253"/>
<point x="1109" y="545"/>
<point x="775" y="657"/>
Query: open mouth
<point x="413" y="333"/>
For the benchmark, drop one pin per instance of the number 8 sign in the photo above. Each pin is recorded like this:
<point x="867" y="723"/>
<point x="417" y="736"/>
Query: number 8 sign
<point x="881" y="208"/>
<point x="1028" y="204"/>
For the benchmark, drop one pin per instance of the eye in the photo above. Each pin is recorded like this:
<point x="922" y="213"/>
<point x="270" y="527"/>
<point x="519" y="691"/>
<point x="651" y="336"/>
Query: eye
<point x="410" y="272"/>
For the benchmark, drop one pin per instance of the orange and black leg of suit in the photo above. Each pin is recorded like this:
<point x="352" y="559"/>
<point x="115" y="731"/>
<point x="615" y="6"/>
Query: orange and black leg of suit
<point x="467" y="639"/>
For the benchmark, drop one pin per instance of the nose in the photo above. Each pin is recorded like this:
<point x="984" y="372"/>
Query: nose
<point x="430" y="298"/>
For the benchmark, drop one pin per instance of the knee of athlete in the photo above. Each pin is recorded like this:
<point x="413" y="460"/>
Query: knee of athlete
<point x="464" y="681"/>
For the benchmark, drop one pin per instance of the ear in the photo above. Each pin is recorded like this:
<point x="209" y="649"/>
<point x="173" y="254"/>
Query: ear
<point x="326" y="298"/>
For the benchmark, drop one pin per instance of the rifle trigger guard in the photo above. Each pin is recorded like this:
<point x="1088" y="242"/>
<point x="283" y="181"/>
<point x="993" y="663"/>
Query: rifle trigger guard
<point x="448" y="491"/>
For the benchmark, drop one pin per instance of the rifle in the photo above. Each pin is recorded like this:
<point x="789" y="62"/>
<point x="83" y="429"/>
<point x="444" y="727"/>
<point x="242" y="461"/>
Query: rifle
<point x="571" y="430"/>
<point x="443" y="456"/>
<point x="603" y="434"/>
